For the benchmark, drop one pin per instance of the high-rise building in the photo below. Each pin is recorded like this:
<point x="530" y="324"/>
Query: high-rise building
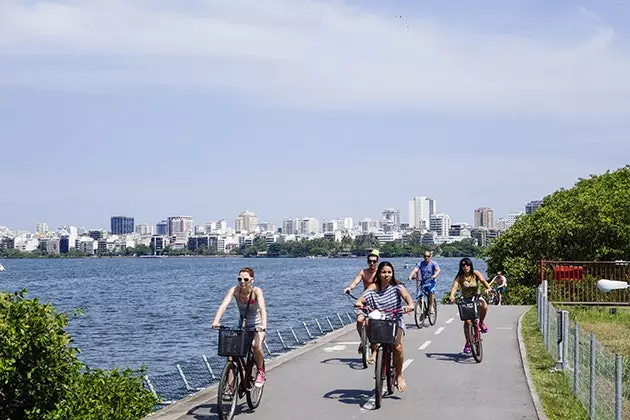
<point x="41" y="228"/>
<point x="290" y="226"/>
<point x="484" y="218"/>
<point x="345" y="224"/>
<point x="162" y="228"/>
<point x="181" y="226"/>
<point x="309" y="226"/>
<point x="122" y="225"/>
<point x="532" y="206"/>
<point x="247" y="221"/>
<point x="391" y="220"/>
<point x="329" y="226"/>
<point x="420" y="211"/>
<point x="369" y="225"/>
<point x="144" y="229"/>
<point x="440" y="223"/>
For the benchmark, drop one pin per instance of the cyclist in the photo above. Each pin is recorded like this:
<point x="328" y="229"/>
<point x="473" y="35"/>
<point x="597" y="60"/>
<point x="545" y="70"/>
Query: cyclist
<point x="388" y="294"/>
<point x="252" y="309"/>
<point x="500" y="284"/>
<point x="469" y="280"/>
<point x="367" y="276"/>
<point x="429" y="270"/>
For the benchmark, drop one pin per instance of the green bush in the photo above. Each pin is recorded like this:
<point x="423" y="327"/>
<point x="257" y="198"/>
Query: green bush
<point x="518" y="294"/>
<point x="41" y="377"/>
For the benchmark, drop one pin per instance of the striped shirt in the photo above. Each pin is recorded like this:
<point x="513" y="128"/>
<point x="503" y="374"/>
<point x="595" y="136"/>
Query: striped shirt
<point x="388" y="299"/>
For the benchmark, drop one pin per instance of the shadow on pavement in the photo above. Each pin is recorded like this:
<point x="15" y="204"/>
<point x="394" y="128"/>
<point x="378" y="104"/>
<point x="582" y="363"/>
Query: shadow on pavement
<point x="451" y="357"/>
<point x="209" y="411"/>
<point x="355" y="364"/>
<point x="349" y="396"/>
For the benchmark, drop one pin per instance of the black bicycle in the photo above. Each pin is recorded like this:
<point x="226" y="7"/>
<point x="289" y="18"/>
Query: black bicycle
<point x="421" y="309"/>
<point x="240" y="371"/>
<point x="363" y="336"/>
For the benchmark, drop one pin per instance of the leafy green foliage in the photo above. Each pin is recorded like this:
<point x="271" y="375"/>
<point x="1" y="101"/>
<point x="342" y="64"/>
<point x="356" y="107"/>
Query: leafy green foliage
<point x="41" y="375"/>
<point x="590" y="221"/>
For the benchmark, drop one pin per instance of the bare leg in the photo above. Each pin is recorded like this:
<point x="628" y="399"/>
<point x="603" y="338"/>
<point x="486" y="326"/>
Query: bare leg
<point x="431" y="301"/>
<point x="259" y="356"/>
<point x="399" y="358"/>
<point x="483" y="310"/>
<point x="360" y="321"/>
<point x="466" y="332"/>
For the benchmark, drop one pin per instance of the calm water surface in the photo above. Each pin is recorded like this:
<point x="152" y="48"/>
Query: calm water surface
<point x="159" y="311"/>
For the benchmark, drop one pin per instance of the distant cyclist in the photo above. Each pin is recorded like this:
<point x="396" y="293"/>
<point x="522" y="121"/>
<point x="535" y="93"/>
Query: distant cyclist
<point x="426" y="272"/>
<point x="469" y="281"/>
<point x="388" y="294"/>
<point x="500" y="283"/>
<point x="366" y="276"/>
<point x="252" y="309"/>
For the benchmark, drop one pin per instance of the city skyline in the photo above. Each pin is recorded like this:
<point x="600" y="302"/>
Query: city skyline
<point x="304" y="107"/>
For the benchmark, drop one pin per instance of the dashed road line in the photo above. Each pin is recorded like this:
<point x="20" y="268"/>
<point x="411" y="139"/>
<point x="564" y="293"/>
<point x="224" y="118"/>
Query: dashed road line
<point x="424" y="345"/>
<point x="348" y="343"/>
<point x="450" y="320"/>
<point x="439" y="330"/>
<point x="406" y="364"/>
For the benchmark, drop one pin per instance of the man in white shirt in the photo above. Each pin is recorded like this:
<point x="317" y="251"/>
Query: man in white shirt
<point x="500" y="285"/>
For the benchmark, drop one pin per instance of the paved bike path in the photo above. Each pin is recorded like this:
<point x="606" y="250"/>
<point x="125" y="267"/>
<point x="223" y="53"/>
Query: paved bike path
<point x="330" y="383"/>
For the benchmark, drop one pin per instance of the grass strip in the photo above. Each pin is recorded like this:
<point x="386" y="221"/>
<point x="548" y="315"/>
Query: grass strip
<point x="552" y="387"/>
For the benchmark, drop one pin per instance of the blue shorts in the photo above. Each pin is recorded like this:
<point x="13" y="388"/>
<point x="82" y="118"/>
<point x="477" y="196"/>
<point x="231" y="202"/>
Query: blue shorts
<point x="427" y="286"/>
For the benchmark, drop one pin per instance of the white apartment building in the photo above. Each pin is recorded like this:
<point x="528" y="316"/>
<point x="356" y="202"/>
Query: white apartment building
<point x="309" y="226"/>
<point x="87" y="245"/>
<point x="222" y="226"/>
<point x="267" y="227"/>
<point x="290" y="226"/>
<point x="420" y="211"/>
<point x="180" y="226"/>
<point x="329" y="226"/>
<point x="24" y="244"/>
<point x="247" y="221"/>
<point x="368" y="225"/>
<point x="211" y="227"/>
<point x="440" y="223"/>
<point x="144" y="229"/>
<point x="345" y="224"/>
<point x="41" y="228"/>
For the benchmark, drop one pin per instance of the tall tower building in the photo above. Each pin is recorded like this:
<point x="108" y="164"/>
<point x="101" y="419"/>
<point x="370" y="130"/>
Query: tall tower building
<point x="484" y="217"/>
<point x="532" y="206"/>
<point x="391" y="220"/>
<point x="41" y="228"/>
<point x="181" y="226"/>
<point x="247" y="221"/>
<point x="440" y="223"/>
<point x="121" y="225"/>
<point x="420" y="211"/>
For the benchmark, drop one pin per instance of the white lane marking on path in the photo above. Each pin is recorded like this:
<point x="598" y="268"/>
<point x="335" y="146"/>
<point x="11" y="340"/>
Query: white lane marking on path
<point x="450" y="320"/>
<point x="335" y="348"/>
<point x="439" y="330"/>
<point x="371" y="402"/>
<point x="424" y="345"/>
<point x="349" y="343"/>
<point x="504" y="328"/>
<point x="406" y="364"/>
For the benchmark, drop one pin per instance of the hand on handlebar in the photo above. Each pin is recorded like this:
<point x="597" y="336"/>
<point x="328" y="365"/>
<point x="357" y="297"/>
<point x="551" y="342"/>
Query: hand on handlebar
<point x="408" y="308"/>
<point x="216" y="325"/>
<point x="346" y="290"/>
<point x="451" y="298"/>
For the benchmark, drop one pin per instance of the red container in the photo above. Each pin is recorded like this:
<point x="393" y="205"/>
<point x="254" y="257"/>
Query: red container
<point x="568" y="272"/>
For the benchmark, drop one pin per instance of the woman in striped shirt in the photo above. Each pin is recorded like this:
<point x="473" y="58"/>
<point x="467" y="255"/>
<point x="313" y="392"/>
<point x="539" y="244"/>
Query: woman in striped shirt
<point x="387" y="294"/>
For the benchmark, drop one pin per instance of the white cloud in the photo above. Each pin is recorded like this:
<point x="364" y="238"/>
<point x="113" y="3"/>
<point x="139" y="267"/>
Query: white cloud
<point x="310" y="54"/>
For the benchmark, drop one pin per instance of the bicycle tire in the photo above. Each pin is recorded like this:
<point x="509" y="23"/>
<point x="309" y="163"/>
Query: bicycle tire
<point x="227" y="408"/>
<point x="253" y="394"/>
<point x="418" y="312"/>
<point x="366" y="346"/>
<point x="476" y="347"/>
<point x="378" y="377"/>
<point x="432" y="317"/>
<point x="391" y="371"/>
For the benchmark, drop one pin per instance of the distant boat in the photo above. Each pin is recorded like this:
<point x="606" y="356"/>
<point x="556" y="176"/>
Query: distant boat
<point x="2" y="268"/>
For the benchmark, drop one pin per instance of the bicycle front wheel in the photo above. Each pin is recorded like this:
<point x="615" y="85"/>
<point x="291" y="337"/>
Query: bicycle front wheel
<point x="391" y="371"/>
<point x="418" y="312"/>
<point x="254" y="393"/>
<point x="366" y="346"/>
<point x="227" y="392"/>
<point x="433" y="316"/>
<point x="475" y="341"/>
<point x="379" y="377"/>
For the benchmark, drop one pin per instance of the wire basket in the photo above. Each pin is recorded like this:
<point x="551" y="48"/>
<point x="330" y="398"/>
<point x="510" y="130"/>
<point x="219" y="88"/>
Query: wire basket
<point x="235" y="342"/>
<point x="382" y="331"/>
<point x="468" y="310"/>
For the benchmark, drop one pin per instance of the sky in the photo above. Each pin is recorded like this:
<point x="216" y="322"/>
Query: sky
<point x="304" y="108"/>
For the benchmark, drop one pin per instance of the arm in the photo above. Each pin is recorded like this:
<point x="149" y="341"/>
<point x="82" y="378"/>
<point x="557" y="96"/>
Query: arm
<point x="482" y="279"/>
<point x="437" y="271"/>
<point x="454" y="288"/>
<point x="413" y="273"/>
<point x="263" y="308"/>
<point x="405" y="295"/>
<point x="226" y="301"/>
<point x="354" y="283"/>
<point x="492" y="281"/>
<point x="360" y="303"/>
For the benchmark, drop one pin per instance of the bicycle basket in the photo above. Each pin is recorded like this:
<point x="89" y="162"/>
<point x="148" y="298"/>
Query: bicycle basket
<point x="382" y="331"/>
<point x="234" y="342"/>
<point x="468" y="310"/>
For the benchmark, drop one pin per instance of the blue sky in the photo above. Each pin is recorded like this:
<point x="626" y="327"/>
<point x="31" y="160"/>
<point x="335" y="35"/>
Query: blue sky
<point x="303" y="108"/>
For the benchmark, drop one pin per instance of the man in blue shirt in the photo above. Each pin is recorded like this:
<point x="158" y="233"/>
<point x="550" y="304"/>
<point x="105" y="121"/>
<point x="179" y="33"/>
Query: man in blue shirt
<point x="425" y="279"/>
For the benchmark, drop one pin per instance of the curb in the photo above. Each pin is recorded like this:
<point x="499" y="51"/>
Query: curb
<point x="188" y="404"/>
<point x="530" y="384"/>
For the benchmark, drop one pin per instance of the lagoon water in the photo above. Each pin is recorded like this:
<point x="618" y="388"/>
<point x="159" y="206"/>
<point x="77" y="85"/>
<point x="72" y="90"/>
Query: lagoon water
<point x="159" y="311"/>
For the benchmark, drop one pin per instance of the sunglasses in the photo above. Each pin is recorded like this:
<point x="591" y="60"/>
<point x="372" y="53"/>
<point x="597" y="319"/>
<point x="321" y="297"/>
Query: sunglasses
<point x="372" y="261"/>
<point x="465" y="265"/>
<point x="427" y="256"/>
<point x="243" y="279"/>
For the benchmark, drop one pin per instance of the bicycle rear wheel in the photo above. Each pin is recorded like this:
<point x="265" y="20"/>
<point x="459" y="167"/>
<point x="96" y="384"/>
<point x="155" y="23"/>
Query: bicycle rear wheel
<point x="475" y="341"/>
<point x="433" y="316"/>
<point x="366" y="346"/>
<point x="418" y="312"/>
<point x="391" y="371"/>
<point x="379" y="377"/>
<point x="254" y="394"/>
<point x="227" y="392"/>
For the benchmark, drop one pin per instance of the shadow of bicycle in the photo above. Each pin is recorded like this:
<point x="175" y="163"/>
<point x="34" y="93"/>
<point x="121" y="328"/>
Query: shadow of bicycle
<point x="354" y="364"/>
<point x="349" y="396"/>
<point x="451" y="357"/>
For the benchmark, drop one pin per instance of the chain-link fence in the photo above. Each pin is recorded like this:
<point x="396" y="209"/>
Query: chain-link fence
<point x="191" y="376"/>
<point x="600" y="378"/>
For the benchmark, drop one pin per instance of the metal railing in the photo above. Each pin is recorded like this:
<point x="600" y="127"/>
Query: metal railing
<point x="600" y="379"/>
<point x="194" y="375"/>
<point x="575" y="282"/>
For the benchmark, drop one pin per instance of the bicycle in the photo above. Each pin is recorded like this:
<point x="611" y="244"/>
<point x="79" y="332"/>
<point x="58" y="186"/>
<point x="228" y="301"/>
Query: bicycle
<point x="421" y="309"/>
<point x="383" y="333"/>
<point x="493" y="297"/>
<point x="239" y="372"/>
<point x="363" y="337"/>
<point x="469" y="313"/>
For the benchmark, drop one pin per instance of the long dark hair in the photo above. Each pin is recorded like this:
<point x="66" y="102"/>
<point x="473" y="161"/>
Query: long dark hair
<point x="378" y="279"/>
<point x="461" y="272"/>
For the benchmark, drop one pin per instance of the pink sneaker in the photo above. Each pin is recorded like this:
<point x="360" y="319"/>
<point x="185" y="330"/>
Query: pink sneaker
<point x="260" y="379"/>
<point x="483" y="328"/>
<point x="467" y="348"/>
